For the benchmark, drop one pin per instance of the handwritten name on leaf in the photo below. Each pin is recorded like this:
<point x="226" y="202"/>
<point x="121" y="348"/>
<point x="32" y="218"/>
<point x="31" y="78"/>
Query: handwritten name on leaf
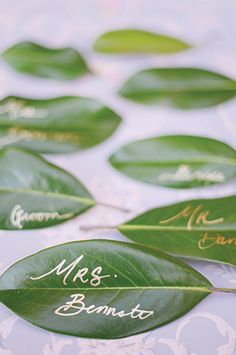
<point x="193" y="215"/>
<point x="198" y="229"/>
<point x="184" y="173"/>
<point x="77" y="306"/>
<point x="177" y="161"/>
<point x="37" y="194"/>
<point x="101" y="289"/>
<point x="80" y="275"/>
<point x="56" y="125"/>
<point x="17" y="109"/>
<point x="18" y="217"/>
<point x="207" y="242"/>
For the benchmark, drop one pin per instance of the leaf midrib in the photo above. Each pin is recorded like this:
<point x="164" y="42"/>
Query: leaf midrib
<point x="172" y="228"/>
<point x="188" y="288"/>
<point x="27" y="126"/>
<point x="84" y="200"/>
<point x="40" y="58"/>
<point x="161" y="90"/>
<point x="228" y="161"/>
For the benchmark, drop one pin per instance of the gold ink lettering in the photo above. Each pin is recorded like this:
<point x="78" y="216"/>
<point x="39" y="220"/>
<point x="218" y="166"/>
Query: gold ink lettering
<point x="77" y="305"/>
<point x="66" y="271"/>
<point x="184" y="173"/>
<point x="17" y="109"/>
<point x="31" y="134"/>
<point x="194" y="216"/>
<point x="18" y="216"/>
<point x="207" y="242"/>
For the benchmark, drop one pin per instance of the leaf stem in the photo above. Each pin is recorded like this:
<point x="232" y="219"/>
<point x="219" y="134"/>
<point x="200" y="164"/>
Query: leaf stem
<point x="119" y="208"/>
<point x="222" y="289"/>
<point x="88" y="228"/>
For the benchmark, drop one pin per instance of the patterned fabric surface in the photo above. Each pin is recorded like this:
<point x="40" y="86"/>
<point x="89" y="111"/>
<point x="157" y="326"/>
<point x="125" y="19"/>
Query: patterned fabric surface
<point x="210" y="328"/>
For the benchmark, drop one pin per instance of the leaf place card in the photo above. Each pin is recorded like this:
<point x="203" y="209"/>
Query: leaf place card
<point x="34" y="59"/>
<point x="56" y="125"/>
<point x="129" y="41"/>
<point x="102" y="289"/>
<point x="197" y="229"/>
<point x="36" y="194"/>
<point x="177" y="161"/>
<point x="183" y="88"/>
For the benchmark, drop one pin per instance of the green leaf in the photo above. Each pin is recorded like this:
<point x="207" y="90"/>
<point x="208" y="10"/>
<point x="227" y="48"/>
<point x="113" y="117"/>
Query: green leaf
<point x="35" y="193"/>
<point x="183" y="88"/>
<point x="177" y="161"/>
<point x="126" y="41"/>
<point x="198" y="229"/>
<point x="31" y="58"/>
<point x="57" y="125"/>
<point x="101" y="289"/>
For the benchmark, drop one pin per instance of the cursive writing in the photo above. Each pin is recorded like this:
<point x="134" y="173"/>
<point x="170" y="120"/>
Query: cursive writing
<point x="18" y="216"/>
<point x="184" y="173"/>
<point x="81" y="274"/>
<point x="16" y="109"/>
<point x="194" y="215"/>
<point x="206" y="242"/>
<point x="77" y="306"/>
<point x="30" y="134"/>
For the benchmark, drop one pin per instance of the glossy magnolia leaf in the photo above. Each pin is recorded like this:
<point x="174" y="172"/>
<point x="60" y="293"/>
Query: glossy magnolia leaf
<point x="101" y="289"/>
<point x="184" y="88"/>
<point x="198" y="229"/>
<point x="35" y="193"/>
<point x="177" y="161"/>
<point x="127" y="41"/>
<point x="31" y="58"/>
<point x="57" y="125"/>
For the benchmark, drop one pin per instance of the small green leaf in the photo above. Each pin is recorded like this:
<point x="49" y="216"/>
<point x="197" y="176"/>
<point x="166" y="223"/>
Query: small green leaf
<point x="101" y="289"/>
<point x="177" y="161"/>
<point x="58" y="125"/>
<point x="31" y="58"/>
<point x="197" y="229"/>
<point x="35" y="193"/>
<point x="126" y="41"/>
<point x="183" y="88"/>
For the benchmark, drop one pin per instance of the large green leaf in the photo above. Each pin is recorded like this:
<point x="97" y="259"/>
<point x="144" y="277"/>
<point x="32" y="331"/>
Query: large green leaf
<point x="177" y="161"/>
<point x="57" y="125"/>
<point x="37" y="194"/>
<point x="199" y="229"/>
<point x="138" y="41"/>
<point x="101" y="289"/>
<point x="31" y="58"/>
<point x="184" y="88"/>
